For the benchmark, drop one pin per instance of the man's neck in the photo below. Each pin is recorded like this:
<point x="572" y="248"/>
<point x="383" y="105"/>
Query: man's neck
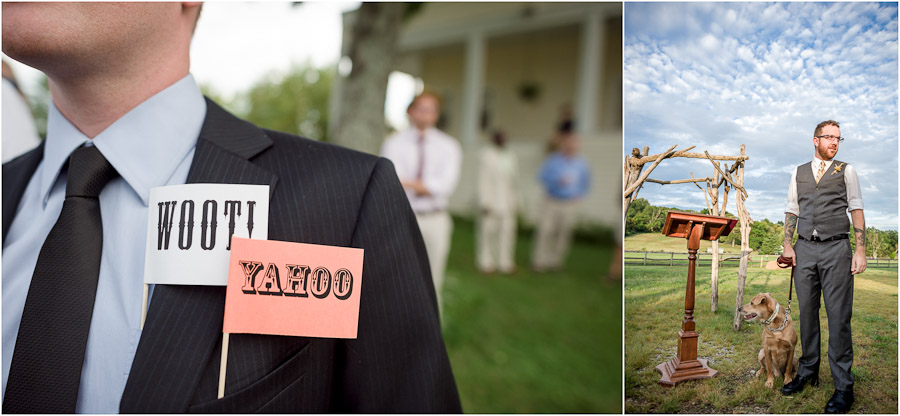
<point x="93" y="103"/>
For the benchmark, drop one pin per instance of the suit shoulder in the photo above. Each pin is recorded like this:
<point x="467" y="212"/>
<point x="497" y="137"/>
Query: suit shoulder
<point x="22" y="166"/>
<point x="26" y="159"/>
<point x="315" y="151"/>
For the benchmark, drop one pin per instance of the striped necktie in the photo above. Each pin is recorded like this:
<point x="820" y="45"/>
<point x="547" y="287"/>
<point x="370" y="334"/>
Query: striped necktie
<point x="820" y="172"/>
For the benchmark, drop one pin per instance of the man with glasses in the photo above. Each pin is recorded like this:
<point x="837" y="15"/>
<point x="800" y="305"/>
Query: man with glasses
<point x="819" y="196"/>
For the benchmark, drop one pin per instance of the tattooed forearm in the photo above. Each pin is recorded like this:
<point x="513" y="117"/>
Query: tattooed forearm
<point x="790" y="225"/>
<point x="859" y="230"/>
<point x="860" y="238"/>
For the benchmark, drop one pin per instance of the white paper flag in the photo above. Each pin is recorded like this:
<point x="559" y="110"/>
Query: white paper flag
<point x="189" y="230"/>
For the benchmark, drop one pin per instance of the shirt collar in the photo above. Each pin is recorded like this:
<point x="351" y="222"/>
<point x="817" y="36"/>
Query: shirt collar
<point x="145" y="145"/>
<point x="413" y="133"/>
<point x="817" y="162"/>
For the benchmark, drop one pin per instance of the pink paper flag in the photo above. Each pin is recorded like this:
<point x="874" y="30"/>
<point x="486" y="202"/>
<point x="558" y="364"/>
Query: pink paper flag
<point x="282" y="288"/>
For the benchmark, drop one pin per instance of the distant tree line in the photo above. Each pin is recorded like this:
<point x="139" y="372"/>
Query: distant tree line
<point x="766" y="237"/>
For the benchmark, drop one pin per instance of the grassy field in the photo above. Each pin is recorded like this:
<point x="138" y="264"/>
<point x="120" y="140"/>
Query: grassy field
<point x="659" y="242"/>
<point x="534" y="343"/>
<point x="654" y="304"/>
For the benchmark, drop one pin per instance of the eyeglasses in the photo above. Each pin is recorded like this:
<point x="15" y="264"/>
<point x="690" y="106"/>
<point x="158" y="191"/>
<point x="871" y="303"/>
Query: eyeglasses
<point x="830" y="138"/>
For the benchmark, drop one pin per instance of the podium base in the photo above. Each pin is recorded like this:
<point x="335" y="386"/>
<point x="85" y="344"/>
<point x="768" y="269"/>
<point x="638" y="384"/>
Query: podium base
<point x="674" y="372"/>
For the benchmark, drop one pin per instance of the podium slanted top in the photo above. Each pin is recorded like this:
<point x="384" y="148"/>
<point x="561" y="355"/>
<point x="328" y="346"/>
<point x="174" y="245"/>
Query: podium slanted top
<point x="678" y="225"/>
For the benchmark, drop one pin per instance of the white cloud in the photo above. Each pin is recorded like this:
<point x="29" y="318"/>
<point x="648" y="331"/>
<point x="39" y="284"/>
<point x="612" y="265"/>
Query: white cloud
<point x="709" y="42"/>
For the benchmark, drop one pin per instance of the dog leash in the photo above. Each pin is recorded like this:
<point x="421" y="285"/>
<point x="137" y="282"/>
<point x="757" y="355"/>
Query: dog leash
<point x="783" y="262"/>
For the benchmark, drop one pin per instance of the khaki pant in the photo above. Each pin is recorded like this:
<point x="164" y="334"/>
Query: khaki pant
<point x="554" y="233"/>
<point x="497" y="242"/>
<point x="436" y="230"/>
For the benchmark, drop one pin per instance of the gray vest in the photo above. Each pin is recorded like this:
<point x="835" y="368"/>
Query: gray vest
<point x="823" y="206"/>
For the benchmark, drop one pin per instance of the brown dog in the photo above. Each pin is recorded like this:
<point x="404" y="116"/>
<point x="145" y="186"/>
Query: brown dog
<point x="778" y="337"/>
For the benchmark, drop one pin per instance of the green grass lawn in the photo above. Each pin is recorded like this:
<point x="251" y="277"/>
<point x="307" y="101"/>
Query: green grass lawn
<point x="654" y="306"/>
<point x="534" y="343"/>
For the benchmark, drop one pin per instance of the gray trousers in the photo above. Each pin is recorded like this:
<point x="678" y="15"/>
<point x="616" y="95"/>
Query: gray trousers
<point x="823" y="269"/>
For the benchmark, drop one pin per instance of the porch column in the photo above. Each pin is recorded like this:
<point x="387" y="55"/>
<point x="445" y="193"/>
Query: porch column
<point x="589" y="76"/>
<point x="473" y="87"/>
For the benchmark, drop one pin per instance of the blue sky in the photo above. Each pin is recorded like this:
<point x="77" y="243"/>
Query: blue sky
<point x="718" y="75"/>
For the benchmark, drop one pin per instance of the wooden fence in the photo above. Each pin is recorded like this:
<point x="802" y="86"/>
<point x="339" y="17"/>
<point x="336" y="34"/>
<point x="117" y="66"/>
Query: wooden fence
<point x="667" y="258"/>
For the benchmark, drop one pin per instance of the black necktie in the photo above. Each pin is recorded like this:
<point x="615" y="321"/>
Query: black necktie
<point x="46" y="366"/>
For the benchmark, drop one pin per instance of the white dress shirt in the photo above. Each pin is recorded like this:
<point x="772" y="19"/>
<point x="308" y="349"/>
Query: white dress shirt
<point x="152" y="145"/>
<point x="443" y="157"/>
<point x="851" y="181"/>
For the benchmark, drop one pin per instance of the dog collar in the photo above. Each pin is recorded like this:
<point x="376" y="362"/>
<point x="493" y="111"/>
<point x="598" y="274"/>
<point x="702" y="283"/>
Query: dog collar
<point x="772" y="318"/>
<point x="774" y="314"/>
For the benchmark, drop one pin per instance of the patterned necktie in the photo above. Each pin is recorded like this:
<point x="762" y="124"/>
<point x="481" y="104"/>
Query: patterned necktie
<point x="45" y="372"/>
<point x="820" y="172"/>
<point x="421" y="170"/>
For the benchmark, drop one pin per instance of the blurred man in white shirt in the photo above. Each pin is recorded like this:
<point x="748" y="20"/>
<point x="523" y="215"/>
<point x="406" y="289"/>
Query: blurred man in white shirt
<point x="428" y="163"/>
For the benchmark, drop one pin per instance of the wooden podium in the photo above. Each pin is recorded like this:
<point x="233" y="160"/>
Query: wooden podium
<point x="693" y="228"/>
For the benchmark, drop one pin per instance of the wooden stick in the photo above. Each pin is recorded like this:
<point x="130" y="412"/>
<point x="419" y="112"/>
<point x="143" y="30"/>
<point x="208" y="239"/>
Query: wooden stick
<point x="728" y="178"/>
<point x="685" y="153"/>
<point x="725" y="200"/>
<point x="701" y="188"/>
<point x="676" y="181"/>
<point x="630" y="174"/>
<point x="223" y="363"/>
<point x="144" y="305"/>
<point x="646" y="173"/>
<point x="640" y="161"/>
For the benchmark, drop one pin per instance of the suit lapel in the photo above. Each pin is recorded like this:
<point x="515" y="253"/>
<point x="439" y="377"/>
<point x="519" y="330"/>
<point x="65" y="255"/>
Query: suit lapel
<point x="184" y="323"/>
<point x="16" y="175"/>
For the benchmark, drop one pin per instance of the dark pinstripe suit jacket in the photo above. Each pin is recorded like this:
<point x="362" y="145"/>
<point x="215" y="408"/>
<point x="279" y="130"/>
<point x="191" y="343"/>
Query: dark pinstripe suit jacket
<point x="320" y="194"/>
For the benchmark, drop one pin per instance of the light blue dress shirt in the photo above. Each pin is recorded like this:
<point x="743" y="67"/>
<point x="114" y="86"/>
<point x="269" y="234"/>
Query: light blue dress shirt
<point x="152" y="145"/>
<point x="565" y="177"/>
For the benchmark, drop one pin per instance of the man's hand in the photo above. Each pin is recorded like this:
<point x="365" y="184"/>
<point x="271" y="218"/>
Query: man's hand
<point x="859" y="263"/>
<point x="416" y="186"/>
<point x="789" y="252"/>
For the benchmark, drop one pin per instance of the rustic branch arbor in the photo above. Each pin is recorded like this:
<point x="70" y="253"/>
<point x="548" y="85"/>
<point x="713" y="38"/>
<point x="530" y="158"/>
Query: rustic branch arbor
<point x="726" y="177"/>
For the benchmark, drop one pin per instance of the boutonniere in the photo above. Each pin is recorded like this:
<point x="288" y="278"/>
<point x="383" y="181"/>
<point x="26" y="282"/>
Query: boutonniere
<point x="838" y="168"/>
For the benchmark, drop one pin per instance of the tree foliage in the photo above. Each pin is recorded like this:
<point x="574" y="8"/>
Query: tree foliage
<point x="296" y="102"/>
<point x="881" y="244"/>
<point x="645" y="218"/>
<point x="766" y="237"/>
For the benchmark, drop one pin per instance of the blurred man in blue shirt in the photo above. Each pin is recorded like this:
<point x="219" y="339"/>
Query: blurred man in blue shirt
<point x="566" y="178"/>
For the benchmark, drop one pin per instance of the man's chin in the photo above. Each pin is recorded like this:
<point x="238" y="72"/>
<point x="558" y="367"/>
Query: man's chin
<point x="828" y="155"/>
